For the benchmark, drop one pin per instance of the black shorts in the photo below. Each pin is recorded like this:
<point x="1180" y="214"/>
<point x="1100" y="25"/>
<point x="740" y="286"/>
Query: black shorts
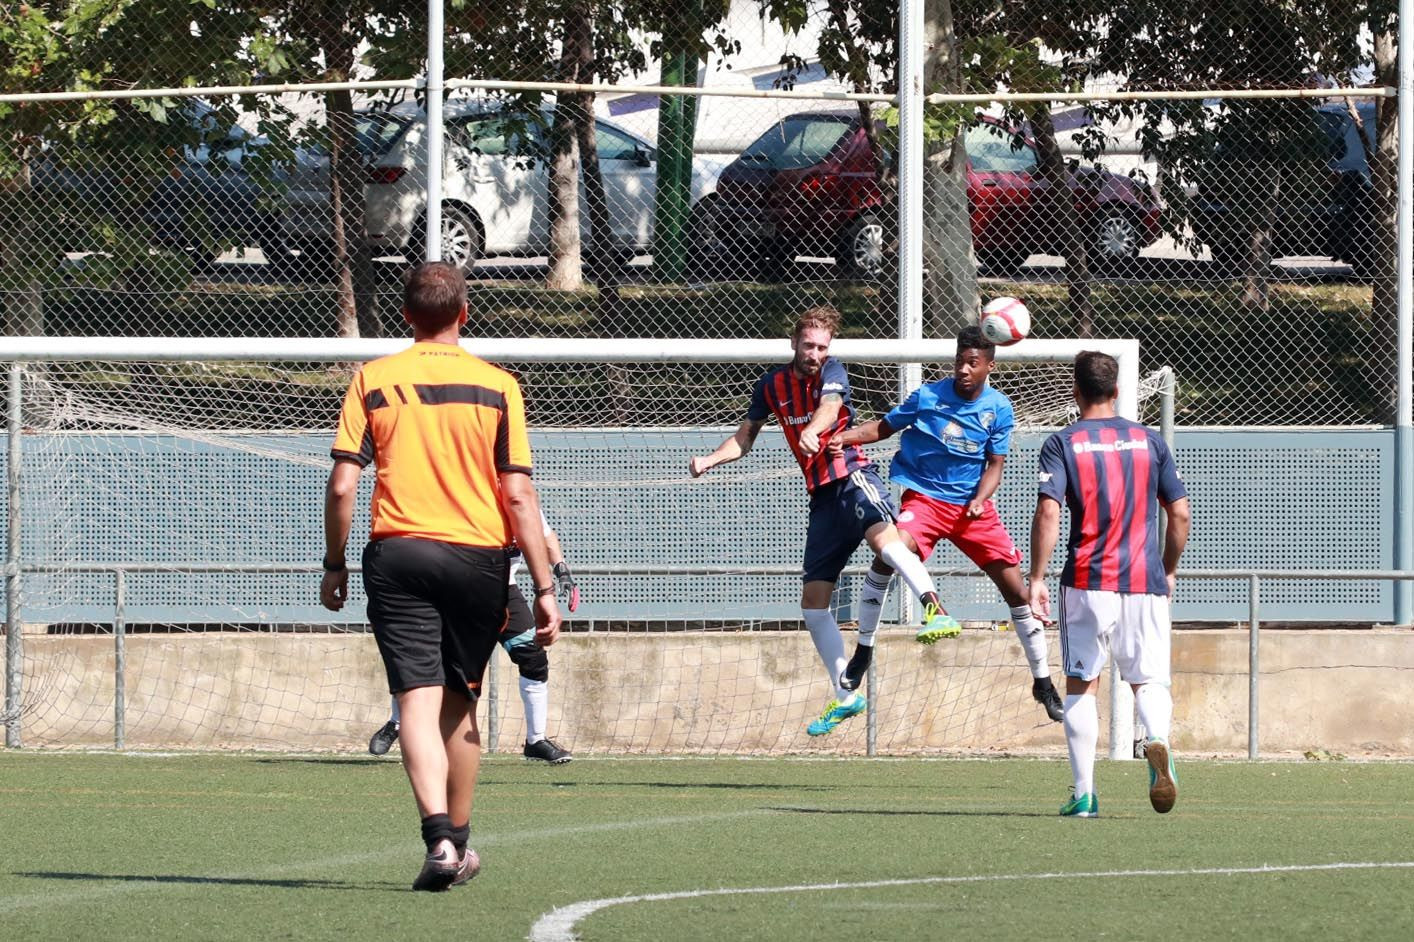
<point x="437" y="610"/>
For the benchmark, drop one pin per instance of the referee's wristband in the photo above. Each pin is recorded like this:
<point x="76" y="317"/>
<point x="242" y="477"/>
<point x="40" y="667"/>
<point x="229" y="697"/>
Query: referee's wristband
<point x="547" y="590"/>
<point x="340" y="566"/>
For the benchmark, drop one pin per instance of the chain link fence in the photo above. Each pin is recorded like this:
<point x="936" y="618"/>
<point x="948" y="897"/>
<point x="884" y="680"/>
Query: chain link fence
<point x="1246" y="242"/>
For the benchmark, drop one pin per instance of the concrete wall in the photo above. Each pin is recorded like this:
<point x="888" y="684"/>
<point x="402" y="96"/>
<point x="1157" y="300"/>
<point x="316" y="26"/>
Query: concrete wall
<point x="690" y="692"/>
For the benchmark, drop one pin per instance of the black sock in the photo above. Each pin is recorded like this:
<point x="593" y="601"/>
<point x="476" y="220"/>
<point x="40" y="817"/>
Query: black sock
<point x="931" y="597"/>
<point x="436" y="827"/>
<point x="460" y="836"/>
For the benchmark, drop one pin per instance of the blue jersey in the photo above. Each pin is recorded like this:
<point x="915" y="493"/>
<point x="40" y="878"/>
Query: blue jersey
<point x="946" y="439"/>
<point x="1113" y="474"/>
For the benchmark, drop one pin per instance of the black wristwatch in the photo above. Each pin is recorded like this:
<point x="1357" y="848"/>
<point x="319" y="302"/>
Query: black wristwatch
<point x="340" y="566"/>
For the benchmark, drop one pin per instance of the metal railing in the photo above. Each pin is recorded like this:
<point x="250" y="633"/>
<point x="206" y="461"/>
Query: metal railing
<point x="1119" y="744"/>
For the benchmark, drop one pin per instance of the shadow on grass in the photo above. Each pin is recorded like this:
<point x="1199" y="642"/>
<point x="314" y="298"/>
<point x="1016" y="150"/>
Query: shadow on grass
<point x="176" y="879"/>
<point x="889" y="812"/>
<point x="325" y="760"/>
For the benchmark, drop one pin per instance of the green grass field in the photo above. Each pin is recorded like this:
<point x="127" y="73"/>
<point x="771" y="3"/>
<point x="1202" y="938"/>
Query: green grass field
<point x="325" y="847"/>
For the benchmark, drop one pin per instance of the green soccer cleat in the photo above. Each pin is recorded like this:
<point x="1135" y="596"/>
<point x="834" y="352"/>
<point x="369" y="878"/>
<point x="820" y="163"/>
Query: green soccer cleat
<point x="1163" y="780"/>
<point x="937" y="624"/>
<point x="836" y="713"/>
<point x="1081" y="806"/>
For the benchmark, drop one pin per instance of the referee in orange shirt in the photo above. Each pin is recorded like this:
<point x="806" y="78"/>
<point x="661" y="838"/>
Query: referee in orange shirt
<point x="446" y="432"/>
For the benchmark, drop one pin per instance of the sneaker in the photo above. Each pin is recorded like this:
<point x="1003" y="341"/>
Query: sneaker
<point x="468" y="867"/>
<point x="439" y="869"/>
<point x="857" y="667"/>
<point x="836" y="713"/>
<point x="1081" y="806"/>
<point x="1044" y="692"/>
<point x="937" y="624"/>
<point x="383" y="740"/>
<point x="1163" y="780"/>
<point x="547" y="750"/>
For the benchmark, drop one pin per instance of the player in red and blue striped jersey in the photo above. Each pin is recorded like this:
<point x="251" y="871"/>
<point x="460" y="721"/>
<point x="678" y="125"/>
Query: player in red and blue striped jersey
<point x="1114" y="475"/>
<point x="810" y="398"/>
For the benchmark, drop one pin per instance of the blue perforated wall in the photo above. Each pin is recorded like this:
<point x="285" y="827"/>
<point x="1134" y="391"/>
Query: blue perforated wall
<point x="1278" y="499"/>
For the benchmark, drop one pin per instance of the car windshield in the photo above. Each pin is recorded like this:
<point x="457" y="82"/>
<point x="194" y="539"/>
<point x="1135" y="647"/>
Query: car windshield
<point x="995" y="150"/>
<point x="798" y="141"/>
<point x="375" y="132"/>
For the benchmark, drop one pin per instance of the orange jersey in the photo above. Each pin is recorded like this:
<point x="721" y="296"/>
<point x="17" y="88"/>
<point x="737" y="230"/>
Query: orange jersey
<point x="440" y="425"/>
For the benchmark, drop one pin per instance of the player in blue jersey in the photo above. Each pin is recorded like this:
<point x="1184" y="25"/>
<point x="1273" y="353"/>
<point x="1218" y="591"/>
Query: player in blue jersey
<point x="810" y="398"/>
<point x="956" y="436"/>
<point x="1113" y="474"/>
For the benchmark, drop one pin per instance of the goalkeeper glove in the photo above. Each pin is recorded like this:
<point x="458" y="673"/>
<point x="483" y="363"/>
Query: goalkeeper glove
<point x="566" y="583"/>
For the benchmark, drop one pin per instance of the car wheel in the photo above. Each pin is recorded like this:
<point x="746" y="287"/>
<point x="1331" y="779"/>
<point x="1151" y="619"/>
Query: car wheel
<point x="1001" y="261"/>
<point x="462" y="241"/>
<point x="1115" y="239"/>
<point x="861" y="250"/>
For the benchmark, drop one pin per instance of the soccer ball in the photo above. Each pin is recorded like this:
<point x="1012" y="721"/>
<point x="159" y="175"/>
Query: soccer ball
<point x="1005" y="321"/>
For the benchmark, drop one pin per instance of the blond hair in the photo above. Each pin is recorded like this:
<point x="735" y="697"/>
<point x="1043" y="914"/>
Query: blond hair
<point x="822" y="316"/>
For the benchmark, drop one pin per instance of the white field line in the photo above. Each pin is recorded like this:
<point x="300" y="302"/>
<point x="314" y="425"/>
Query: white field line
<point x="50" y="898"/>
<point x="558" y="924"/>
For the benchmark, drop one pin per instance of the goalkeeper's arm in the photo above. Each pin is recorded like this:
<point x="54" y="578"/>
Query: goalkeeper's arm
<point x="564" y="579"/>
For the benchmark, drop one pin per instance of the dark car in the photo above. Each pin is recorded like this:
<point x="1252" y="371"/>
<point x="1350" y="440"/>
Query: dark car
<point x="810" y="186"/>
<point x="1303" y="178"/>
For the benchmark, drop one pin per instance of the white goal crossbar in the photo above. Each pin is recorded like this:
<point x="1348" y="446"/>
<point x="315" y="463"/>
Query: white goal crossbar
<point x="548" y="350"/>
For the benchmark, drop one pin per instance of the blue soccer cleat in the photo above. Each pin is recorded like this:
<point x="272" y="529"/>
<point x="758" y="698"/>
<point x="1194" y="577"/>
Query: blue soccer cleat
<point x="836" y="713"/>
<point x="1081" y="806"/>
<point x="1163" y="779"/>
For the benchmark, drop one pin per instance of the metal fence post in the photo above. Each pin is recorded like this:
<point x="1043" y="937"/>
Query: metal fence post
<point x="14" y="627"/>
<point x="1404" y="328"/>
<point x="1253" y="666"/>
<point x="435" y="131"/>
<point x="120" y="659"/>
<point x="871" y="716"/>
<point x="493" y="700"/>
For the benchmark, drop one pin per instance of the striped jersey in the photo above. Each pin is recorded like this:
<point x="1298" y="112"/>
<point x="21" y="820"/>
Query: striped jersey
<point x="793" y="399"/>
<point x="1111" y="473"/>
<point x="441" y="426"/>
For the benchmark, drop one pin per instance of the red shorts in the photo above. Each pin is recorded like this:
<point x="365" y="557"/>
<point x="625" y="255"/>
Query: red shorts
<point x="984" y="540"/>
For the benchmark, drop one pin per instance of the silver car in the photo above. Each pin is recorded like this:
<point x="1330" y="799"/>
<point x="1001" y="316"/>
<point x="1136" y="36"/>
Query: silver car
<point x="495" y="184"/>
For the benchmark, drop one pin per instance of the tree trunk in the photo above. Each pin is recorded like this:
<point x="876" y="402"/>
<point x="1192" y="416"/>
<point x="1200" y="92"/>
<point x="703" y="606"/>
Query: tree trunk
<point x="601" y="254"/>
<point x="1384" y="231"/>
<point x="566" y="253"/>
<point x="950" y="276"/>
<point x="1257" y="253"/>
<point x="354" y="284"/>
<point x="21" y="256"/>
<point x="1065" y="227"/>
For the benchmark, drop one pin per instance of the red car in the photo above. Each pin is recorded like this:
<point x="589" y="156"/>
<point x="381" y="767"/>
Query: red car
<point x="809" y="186"/>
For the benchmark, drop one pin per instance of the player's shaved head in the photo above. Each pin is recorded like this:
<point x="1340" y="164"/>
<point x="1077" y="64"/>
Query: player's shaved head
<point x="434" y="296"/>
<point x="822" y="316"/>
<point x="1096" y="376"/>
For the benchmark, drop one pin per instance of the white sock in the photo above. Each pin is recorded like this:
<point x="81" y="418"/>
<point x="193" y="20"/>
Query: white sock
<point x="397" y="714"/>
<point x="909" y="566"/>
<point x="825" y="632"/>
<point x="1032" y="635"/>
<point x="535" y="696"/>
<point x="1082" y="733"/>
<point x="1155" y="706"/>
<point x="871" y="605"/>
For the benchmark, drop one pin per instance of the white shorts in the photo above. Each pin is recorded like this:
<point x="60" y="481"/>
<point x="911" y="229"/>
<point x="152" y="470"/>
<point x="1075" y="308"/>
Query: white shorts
<point x="1133" y="627"/>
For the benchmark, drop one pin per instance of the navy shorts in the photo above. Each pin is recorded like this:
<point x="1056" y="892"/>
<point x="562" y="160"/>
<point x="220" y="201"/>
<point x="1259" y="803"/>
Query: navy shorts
<point x="840" y="512"/>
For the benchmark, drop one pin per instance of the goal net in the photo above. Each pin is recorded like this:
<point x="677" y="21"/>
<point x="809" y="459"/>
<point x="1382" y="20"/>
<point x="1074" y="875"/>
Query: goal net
<point x="164" y="514"/>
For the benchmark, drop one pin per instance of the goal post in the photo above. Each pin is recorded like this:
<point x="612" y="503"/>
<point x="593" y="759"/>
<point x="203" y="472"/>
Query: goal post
<point x="182" y="476"/>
